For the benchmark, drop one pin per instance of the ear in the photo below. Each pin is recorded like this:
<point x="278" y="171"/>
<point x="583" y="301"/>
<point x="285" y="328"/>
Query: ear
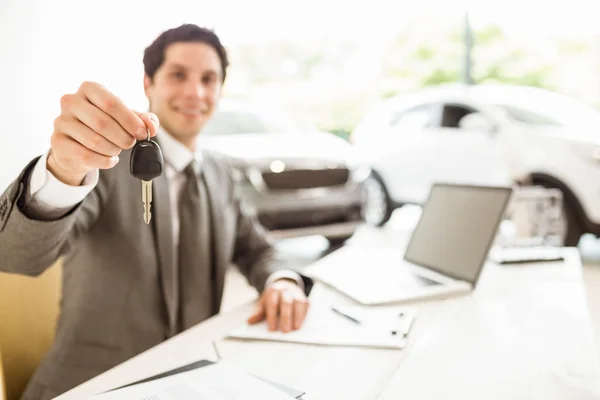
<point x="147" y="85"/>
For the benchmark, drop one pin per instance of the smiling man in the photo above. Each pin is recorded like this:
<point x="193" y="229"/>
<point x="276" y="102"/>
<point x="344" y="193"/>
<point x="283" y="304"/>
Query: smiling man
<point x="127" y="285"/>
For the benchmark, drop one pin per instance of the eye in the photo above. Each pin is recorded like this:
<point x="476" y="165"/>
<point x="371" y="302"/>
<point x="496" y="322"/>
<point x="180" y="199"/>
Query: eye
<point x="209" y="79"/>
<point x="178" y="75"/>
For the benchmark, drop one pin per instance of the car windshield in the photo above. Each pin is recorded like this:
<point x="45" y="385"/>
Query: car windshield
<point x="230" y="122"/>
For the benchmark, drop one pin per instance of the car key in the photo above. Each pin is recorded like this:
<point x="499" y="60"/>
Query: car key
<point x="146" y="163"/>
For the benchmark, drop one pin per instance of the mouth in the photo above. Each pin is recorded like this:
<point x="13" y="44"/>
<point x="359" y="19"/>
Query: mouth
<point x="191" y="112"/>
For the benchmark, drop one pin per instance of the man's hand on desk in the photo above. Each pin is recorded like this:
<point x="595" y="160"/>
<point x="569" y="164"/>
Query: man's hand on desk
<point x="283" y="304"/>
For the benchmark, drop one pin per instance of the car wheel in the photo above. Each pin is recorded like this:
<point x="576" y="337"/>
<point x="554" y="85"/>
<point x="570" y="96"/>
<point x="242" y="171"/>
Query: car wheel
<point x="376" y="208"/>
<point x="573" y="230"/>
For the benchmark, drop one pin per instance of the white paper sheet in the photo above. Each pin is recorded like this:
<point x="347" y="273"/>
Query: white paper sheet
<point x="215" y="382"/>
<point x="324" y="326"/>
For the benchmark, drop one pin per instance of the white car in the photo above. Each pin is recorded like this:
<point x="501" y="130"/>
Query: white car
<point x="482" y="134"/>
<point x="297" y="180"/>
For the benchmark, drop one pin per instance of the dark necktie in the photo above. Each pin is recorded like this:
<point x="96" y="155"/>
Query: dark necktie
<point x="194" y="276"/>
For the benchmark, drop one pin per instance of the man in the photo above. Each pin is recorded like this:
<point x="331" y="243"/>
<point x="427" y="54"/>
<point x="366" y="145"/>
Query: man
<point x="129" y="285"/>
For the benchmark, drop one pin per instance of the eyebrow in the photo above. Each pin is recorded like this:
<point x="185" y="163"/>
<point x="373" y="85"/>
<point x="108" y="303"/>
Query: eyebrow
<point x="183" y="67"/>
<point x="177" y="66"/>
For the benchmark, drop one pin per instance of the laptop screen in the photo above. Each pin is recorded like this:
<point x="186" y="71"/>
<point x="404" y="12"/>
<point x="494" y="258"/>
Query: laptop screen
<point x="457" y="228"/>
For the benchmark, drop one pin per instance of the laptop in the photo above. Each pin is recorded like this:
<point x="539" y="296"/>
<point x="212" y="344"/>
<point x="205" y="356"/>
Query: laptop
<point x="444" y="256"/>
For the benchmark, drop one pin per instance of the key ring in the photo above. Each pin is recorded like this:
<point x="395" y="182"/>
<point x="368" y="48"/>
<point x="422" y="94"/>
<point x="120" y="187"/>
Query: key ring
<point x="148" y="130"/>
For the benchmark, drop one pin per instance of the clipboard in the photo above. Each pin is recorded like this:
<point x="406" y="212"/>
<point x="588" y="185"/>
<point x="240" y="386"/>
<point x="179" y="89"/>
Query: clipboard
<point x="294" y="393"/>
<point x="342" y="325"/>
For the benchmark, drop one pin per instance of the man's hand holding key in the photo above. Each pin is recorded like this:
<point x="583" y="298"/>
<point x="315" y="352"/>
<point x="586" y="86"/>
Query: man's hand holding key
<point x="94" y="126"/>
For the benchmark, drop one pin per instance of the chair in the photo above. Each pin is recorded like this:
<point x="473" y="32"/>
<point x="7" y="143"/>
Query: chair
<point x="2" y="384"/>
<point x="29" y="309"/>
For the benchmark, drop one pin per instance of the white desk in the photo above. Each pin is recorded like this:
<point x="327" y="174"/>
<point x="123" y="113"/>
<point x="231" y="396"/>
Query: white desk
<point x="524" y="334"/>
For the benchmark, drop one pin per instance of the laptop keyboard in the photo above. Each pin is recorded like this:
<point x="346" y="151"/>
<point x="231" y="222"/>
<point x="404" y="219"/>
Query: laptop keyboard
<point x="378" y="269"/>
<point x="425" y="281"/>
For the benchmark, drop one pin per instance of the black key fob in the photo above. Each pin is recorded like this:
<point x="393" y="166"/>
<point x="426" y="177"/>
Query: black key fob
<point x="146" y="162"/>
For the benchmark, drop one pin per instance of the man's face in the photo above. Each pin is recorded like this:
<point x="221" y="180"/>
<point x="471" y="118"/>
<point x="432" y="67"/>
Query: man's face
<point x="185" y="89"/>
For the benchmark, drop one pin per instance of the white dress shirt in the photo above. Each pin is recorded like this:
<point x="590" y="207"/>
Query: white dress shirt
<point x="48" y="198"/>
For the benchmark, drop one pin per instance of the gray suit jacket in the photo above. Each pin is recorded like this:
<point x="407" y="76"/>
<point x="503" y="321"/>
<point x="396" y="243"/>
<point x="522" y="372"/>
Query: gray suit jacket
<point x="120" y="291"/>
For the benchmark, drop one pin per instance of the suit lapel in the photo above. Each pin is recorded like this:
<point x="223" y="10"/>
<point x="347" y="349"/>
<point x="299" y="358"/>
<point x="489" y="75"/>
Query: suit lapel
<point x="161" y="214"/>
<point x="215" y="199"/>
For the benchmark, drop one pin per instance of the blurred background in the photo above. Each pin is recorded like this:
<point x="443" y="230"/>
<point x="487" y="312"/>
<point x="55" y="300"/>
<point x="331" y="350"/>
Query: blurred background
<point x="327" y="61"/>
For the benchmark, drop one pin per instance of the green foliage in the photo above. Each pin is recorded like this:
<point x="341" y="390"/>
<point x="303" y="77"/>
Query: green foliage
<point x="440" y="76"/>
<point x="488" y="35"/>
<point x="344" y="134"/>
<point x="534" y="78"/>
<point x="439" y="60"/>
<point x="572" y="47"/>
<point x="425" y="53"/>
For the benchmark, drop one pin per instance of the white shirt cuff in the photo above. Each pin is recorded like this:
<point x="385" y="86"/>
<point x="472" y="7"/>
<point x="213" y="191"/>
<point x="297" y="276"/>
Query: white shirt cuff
<point x="284" y="274"/>
<point x="49" y="198"/>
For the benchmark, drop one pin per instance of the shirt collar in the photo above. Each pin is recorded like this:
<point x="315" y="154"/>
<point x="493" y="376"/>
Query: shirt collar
<point x="175" y="153"/>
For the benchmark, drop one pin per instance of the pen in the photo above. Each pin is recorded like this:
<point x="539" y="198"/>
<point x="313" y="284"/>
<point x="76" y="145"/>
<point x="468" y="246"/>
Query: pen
<point x="335" y="310"/>
<point x="216" y="350"/>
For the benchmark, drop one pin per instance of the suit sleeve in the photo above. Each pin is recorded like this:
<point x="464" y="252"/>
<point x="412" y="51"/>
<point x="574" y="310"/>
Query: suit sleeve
<point x="30" y="244"/>
<point x="254" y="253"/>
<point x="48" y="198"/>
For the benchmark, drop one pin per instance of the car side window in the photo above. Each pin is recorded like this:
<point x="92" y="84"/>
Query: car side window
<point x="453" y="113"/>
<point x="417" y="117"/>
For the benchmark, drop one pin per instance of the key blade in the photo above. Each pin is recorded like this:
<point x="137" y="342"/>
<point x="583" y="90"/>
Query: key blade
<point x="147" y="199"/>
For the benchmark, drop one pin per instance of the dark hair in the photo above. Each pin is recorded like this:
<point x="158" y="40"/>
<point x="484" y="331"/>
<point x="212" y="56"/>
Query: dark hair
<point x="154" y="55"/>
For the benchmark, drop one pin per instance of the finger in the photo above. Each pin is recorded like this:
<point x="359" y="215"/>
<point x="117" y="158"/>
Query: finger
<point x="272" y="308"/>
<point x="115" y="108"/>
<point x="286" y="311"/>
<point x="258" y="315"/>
<point x="86" y="136"/>
<point x="77" y="153"/>
<point x="103" y="124"/>
<point x="150" y="120"/>
<point x="300" y="311"/>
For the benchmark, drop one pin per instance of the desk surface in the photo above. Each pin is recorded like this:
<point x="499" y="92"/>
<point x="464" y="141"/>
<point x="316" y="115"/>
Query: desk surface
<point x="525" y="333"/>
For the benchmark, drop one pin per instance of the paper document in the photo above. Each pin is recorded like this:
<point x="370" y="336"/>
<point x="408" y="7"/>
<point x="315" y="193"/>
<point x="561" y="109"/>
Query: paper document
<point x="297" y="394"/>
<point x="360" y="326"/>
<point x="214" y="382"/>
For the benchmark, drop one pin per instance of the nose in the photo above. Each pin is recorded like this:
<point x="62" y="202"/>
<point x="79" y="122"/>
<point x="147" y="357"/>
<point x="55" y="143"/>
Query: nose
<point x="194" y="89"/>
